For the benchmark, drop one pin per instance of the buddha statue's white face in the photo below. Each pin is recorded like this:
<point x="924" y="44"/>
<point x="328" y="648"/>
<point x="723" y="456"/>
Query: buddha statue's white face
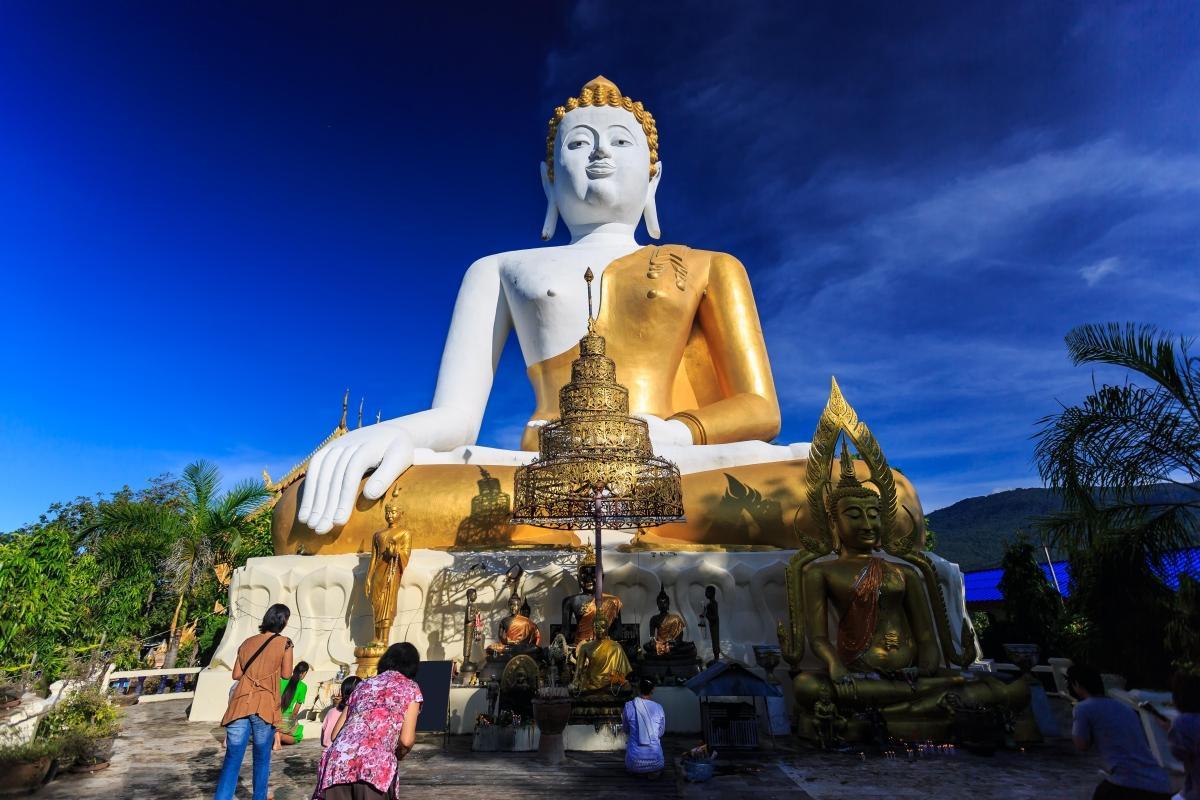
<point x="601" y="167"/>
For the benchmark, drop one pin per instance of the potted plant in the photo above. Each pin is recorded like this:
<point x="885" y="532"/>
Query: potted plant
<point x="551" y="711"/>
<point x="23" y="767"/>
<point x="87" y="723"/>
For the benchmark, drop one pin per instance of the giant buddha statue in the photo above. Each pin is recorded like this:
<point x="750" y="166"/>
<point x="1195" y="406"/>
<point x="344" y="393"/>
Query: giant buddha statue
<point x="680" y="322"/>
<point x="866" y="605"/>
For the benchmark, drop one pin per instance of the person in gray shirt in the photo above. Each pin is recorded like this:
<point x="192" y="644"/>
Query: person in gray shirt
<point x="1184" y="736"/>
<point x="1115" y="730"/>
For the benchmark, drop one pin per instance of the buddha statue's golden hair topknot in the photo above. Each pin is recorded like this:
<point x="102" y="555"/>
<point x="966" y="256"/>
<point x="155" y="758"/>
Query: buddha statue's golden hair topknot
<point x="600" y="91"/>
<point x="848" y="483"/>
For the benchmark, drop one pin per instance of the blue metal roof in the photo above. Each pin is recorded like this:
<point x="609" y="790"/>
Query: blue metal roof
<point x="728" y="678"/>
<point x="983" y="586"/>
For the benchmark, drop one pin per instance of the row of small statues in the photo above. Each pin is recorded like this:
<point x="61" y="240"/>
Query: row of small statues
<point x="886" y="655"/>
<point x="598" y="660"/>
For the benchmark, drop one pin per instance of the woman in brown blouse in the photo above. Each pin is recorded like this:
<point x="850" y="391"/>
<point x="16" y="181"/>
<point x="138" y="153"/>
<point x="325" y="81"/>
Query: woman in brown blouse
<point x="253" y="709"/>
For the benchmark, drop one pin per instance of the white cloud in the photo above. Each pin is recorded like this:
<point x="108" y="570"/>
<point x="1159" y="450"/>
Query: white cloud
<point x="1092" y="273"/>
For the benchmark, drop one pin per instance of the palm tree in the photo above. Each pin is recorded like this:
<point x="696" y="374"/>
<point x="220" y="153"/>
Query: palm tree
<point x="198" y="531"/>
<point x="1126" y="460"/>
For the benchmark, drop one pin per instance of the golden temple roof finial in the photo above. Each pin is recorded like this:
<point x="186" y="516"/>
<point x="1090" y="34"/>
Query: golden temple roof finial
<point x="588" y="276"/>
<point x="361" y="400"/>
<point x="345" y="406"/>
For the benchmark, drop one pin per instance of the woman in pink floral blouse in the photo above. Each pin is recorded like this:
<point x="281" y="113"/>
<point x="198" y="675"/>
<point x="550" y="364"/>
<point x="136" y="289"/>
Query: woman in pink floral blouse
<point x="377" y="729"/>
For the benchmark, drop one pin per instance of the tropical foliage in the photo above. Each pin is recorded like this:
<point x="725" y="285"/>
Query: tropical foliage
<point x="1107" y="455"/>
<point x="126" y="569"/>
<point x="1032" y="608"/>
<point x="1108" y="458"/>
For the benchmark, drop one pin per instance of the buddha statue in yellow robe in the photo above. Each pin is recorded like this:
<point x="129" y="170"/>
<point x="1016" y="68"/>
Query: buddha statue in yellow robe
<point x="680" y="322"/>
<point x="601" y="664"/>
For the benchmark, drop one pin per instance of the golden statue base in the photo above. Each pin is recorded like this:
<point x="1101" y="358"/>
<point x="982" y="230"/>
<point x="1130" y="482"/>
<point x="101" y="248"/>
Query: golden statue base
<point x="367" y="659"/>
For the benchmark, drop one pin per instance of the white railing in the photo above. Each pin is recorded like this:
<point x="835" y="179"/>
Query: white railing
<point x="176" y="683"/>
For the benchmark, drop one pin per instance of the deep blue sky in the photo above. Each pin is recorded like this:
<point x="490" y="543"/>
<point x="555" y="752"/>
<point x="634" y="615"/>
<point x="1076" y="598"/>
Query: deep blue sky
<point x="213" y="220"/>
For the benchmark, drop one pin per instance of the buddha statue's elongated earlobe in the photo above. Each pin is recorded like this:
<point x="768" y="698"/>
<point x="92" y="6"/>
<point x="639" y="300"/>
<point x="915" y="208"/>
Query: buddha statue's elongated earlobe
<point x="651" y="212"/>
<point x="551" y="221"/>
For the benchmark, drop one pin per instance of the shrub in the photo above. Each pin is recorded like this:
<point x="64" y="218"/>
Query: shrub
<point x="84" y="712"/>
<point x="28" y="752"/>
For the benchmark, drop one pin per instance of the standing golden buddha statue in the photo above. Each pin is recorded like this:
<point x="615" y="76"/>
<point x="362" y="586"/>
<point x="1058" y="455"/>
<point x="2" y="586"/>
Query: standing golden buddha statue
<point x="391" y="549"/>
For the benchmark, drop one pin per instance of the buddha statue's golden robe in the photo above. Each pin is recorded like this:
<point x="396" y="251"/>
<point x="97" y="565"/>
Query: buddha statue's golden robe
<point x="601" y="665"/>
<point x="683" y="329"/>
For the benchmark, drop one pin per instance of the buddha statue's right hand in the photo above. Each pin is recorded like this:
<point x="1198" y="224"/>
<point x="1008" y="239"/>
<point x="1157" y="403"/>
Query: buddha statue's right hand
<point x="331" y="485"/>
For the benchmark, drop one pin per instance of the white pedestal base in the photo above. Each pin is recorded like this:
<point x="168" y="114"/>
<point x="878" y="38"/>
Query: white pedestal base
<point x="331" y="613"/>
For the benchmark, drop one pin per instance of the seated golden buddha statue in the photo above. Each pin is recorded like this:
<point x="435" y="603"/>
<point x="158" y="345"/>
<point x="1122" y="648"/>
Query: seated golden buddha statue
<point x="515" y="634"/>
<point x="890" y="650"/>
<point x="680" y="322"/>
<point x="601" y="664"/>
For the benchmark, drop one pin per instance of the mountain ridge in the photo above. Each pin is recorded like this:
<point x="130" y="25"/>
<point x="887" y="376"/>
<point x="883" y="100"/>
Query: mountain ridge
<point x="973" y="531"/>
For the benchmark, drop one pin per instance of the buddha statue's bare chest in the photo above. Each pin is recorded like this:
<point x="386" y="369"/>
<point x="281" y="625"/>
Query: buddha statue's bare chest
<point x="550" y="280"/>
<point x="548" y="299"/>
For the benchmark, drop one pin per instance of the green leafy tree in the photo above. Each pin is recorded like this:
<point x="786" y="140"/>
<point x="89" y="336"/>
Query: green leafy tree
<point x="1119" y="609"/>
<point x="1109" y="457"/>
<point x="1183" y="625"/>
<point x="194" y="530"/>
<point x="1032" y="606"/>
<point x="45" y="594"/>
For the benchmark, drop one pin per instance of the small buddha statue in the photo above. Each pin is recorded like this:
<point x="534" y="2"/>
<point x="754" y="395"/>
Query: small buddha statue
<point x="601" y="663"/>
<point x="710" y="617"/>
<point x="472" y="635"/>
<point x="579" y="610"/>
<point x="667" y="631"/>
<point x="829" y="723"/>
<point x="516" y="634"/>
<point x="391" y="549"/>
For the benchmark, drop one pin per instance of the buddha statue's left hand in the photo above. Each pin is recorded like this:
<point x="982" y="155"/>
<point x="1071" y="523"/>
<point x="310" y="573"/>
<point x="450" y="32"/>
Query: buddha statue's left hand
<point x="666" y="432"/>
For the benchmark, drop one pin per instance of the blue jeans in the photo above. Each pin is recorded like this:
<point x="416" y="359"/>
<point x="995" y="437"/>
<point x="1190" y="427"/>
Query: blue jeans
<point x="237" y="737"/>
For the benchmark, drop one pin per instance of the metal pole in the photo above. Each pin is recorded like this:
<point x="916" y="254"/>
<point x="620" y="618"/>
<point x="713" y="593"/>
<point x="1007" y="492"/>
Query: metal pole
<point x="1054" y="575"/>
<point x="599" y="552"/>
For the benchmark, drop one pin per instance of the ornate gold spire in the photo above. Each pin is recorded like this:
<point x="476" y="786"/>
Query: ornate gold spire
<point x="595" y="454"/>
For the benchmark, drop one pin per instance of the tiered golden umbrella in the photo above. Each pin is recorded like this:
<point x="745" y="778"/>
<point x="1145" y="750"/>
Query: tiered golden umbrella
<point x="595" y="466"/>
